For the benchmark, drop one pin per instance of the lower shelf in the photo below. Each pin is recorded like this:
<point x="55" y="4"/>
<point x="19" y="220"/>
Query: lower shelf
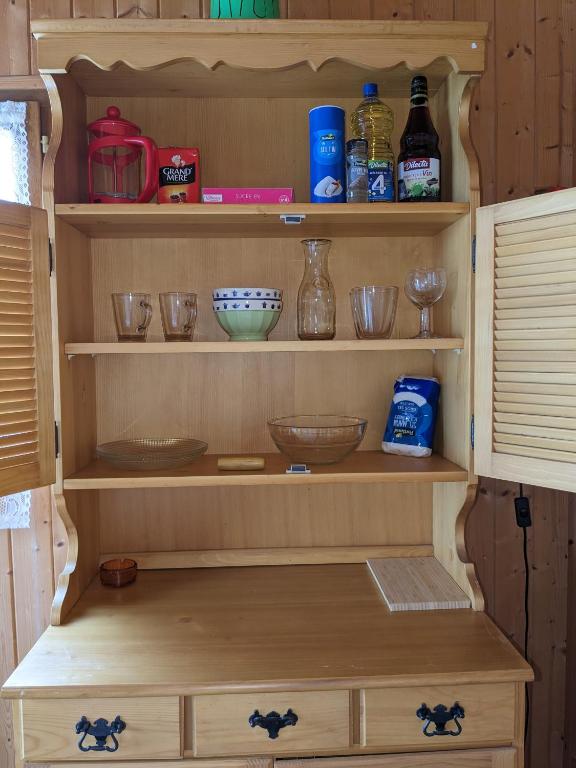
<point x="360" y="467"/>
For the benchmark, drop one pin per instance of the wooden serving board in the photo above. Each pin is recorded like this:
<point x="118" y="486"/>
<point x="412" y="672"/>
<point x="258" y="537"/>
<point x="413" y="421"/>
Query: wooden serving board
<point x="416" y="584"/>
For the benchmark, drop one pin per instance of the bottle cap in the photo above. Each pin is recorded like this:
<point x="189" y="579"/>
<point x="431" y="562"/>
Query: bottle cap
<point x="357" y="145"/>
<point x="419" y="85"/>
<point x="370" y="89"/>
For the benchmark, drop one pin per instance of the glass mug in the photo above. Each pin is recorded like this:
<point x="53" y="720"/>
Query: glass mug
<point x="132" y="313"/>
<point x="178" y="311"/>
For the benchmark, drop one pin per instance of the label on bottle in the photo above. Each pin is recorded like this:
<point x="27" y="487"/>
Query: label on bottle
<point x="356" y="178"/>
<point x="381" y="181"/>
<point x="419" y="178"/>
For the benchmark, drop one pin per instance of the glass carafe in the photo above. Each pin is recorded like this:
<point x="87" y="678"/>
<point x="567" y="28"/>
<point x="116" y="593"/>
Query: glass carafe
<point x="316" y="297"/>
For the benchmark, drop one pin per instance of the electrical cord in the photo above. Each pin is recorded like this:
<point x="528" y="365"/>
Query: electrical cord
<point x="525" y="524"/>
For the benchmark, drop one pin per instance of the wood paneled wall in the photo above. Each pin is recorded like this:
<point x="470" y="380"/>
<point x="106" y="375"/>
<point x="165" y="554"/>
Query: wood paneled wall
<point x="523" y="128"/>
<point x="26" y="589"/>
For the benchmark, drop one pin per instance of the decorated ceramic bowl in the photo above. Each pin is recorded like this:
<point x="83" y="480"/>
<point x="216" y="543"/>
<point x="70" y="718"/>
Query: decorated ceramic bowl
<point x="246" y="305"/>
<point x="247" y="293"/>
<point x="248" y="325"/>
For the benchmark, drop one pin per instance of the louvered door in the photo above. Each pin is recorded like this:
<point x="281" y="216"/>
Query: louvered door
<point x="525" y="361"/>
<point x="26" y="399"/>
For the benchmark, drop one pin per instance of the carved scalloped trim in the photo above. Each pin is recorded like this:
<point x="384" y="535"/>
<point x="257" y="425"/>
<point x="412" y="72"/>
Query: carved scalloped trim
<point x="71" y="560"/>
<point x="372" y="61"/>
<point x="478" y="602"/>
<point x="465" y="135"/>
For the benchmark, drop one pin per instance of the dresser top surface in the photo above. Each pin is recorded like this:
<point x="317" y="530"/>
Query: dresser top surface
<point x="266" y="628"/>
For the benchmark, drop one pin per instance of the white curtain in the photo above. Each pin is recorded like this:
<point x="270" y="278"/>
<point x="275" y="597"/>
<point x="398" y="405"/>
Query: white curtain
<point x="14" y="152"/>
<point x="14" y="509"/>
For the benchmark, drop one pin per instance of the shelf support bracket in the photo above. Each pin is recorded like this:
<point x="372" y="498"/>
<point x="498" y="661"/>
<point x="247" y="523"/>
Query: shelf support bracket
<point x="293" y="218"/>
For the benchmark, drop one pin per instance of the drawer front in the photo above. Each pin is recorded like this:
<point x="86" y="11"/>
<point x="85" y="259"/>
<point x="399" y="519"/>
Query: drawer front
<point x="474" y="758"/>
<point x="152" y="728"/>
<point x="389" y="716"/>
<point x="222" y="727"/>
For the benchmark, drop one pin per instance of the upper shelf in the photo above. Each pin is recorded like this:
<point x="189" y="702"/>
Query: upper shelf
<point x="151" y="220"/>
<point x="245" y="58"/>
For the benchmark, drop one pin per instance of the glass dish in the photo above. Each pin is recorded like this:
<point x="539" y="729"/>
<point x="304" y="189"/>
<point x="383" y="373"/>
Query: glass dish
<point x="150" y="453"/>
<point x="317" y="439"/>
<point x="118" y="573"/>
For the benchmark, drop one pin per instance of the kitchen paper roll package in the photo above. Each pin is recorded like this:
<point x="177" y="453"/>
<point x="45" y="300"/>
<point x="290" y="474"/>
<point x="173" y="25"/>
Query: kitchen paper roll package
<point x="412" y="418"/>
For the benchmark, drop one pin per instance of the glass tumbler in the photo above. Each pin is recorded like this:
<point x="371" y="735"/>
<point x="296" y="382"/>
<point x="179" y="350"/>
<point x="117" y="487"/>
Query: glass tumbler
<point x="132" y="313"/>
<point x="178" y="311"/>
<point x="374" y="310"/>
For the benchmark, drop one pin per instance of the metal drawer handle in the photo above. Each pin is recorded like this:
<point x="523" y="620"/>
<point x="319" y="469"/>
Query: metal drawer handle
<point x="101" y="730"/>
<point x="272" y="722"/>
<point x="440" y="716"/>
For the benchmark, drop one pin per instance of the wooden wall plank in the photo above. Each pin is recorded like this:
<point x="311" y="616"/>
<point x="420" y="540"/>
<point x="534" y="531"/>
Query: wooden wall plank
<point x="304" y="9"/>
<point x="515" y="72"/>
<point x="480" y="537"/>
<point x="570" y="683"/>
<point x="180" y="9"/>
<point x="33" y="576"/>
<point x="93" y="9"/>
<point x="7" y="645"/>
<point x="344" y="9"/>
<point x="50" y="9"/>
<point x="393" y="9"/>
<point x="548" y="125"/>
<point x="568" y="93"/>
<point x="548" y="613"/>
<point x="139" y="9"/>
<point x="439" y="10"/>
<point x="14" y="38"/>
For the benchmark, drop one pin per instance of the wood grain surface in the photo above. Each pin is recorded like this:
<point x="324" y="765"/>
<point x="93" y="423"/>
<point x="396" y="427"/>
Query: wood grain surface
<point x="416" y="584"/>
<point x="329" y="624"/>
<point x="492" y="536"/>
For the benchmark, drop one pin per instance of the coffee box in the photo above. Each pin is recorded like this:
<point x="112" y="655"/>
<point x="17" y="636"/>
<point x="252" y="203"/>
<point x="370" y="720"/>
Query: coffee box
<point x="179" y="175"/>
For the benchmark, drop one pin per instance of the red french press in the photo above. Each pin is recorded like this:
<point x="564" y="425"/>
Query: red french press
<point x="115" y="153"/>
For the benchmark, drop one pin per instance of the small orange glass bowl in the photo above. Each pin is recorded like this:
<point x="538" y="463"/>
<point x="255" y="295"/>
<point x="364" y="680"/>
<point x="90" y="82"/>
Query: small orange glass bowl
<point x="118" y="573"/>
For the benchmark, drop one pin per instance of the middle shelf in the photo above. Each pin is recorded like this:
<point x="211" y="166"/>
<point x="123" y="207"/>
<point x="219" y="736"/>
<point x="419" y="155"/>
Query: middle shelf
<point x="185" y="347"/>
<point x="359" y="467"/>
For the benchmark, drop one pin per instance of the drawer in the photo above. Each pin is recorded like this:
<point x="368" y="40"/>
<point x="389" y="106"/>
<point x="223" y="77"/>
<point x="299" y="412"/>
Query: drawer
<point x="221" y="723"/>
<point x="469" y="758"/>
<point x="152" y="728"/>
<point x="389" y="720"/>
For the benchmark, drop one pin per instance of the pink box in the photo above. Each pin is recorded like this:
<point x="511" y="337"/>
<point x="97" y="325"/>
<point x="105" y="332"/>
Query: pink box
<point x="247" y="195"/>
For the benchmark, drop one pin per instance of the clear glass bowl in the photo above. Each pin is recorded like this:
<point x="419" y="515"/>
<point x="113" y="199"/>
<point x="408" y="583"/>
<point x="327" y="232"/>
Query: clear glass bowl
<point x="317" y="439"/>
<point x="151" y="453"/>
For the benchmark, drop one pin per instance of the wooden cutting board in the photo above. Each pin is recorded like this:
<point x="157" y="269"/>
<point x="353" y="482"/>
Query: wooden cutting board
<point x="416" y="584"/>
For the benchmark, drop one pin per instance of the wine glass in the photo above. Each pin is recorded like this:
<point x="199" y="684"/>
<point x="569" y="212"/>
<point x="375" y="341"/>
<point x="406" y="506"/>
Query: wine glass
<point x="425" y="286"/>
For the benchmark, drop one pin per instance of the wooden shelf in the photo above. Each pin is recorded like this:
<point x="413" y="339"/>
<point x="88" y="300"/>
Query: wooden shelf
<point x="239" y="59"/>
<point x="217" y="630"/>
<point x="355" y="219"/>
<point x="360" y="467"/>
<point x="262" y="347"/>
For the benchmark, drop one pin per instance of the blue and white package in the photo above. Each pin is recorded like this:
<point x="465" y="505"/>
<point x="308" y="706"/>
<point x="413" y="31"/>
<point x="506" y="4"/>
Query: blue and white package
<point x="327" y="155"/>
<point x="412" y="418"/>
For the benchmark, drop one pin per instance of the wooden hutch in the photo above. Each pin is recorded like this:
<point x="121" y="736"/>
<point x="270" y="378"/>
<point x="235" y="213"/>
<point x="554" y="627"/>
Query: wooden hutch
<point x="253" y="592"/>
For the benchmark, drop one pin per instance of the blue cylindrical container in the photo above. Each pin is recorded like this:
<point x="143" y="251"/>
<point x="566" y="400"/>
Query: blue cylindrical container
<point x="327" y="155"/>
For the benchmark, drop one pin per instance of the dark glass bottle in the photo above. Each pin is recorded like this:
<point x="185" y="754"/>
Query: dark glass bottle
<point x="419" y="159"/>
